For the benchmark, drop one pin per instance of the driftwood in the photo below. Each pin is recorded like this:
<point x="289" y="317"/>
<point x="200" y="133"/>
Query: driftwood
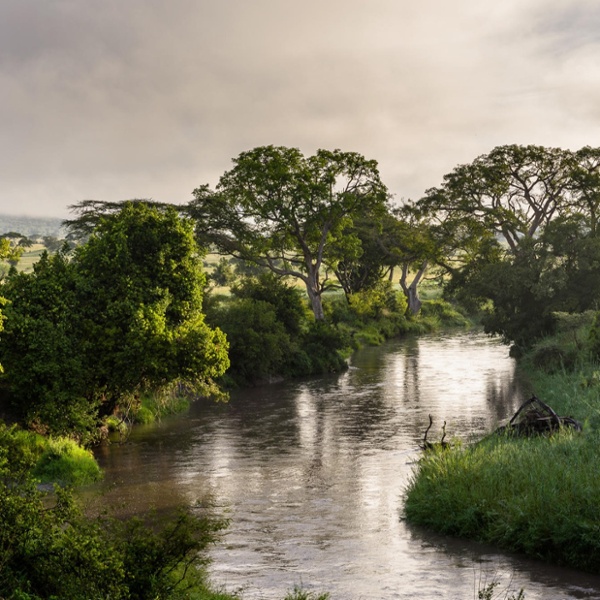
<point x="426" y="445"/>
<point x="535" y="417"/>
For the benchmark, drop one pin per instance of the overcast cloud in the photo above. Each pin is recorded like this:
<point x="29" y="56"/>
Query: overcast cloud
<point x="151" y="98"/>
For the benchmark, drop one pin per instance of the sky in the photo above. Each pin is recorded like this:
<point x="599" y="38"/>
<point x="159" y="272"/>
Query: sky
<point x="125" y="99"/>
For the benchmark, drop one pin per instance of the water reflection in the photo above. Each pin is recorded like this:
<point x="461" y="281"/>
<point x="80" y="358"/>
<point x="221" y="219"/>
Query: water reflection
<point x="312" y="475"/>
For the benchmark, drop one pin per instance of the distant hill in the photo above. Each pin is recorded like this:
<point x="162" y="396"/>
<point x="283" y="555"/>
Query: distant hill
<point x="32" y="226"/>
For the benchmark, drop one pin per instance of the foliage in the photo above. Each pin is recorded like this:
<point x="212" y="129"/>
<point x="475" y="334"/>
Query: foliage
<point x="377" y="301"/>
<point x="286" y="299"/>
<point x="327" y="347"/>
<point x="42" y="351"/>
<point x="594" y="337"/>
<point x="142" y="296"/>
<point x="523" y="224"/>
<point x="513" y="191"/>
<point x="363" y="263"/>
<point x="299" y="593"/>
<point x="121" y="316"/>
<point x="49" y="549"/>
<point x="447" y="314"/>
<point x="488" y="592"/>
<point x="66" y="462"/>
<point x="223" y="273"/>
<point x="258" y="342"/>
<point x="271" y="334"/>
<point x="283" y="211"/>
<point x="49" y="459"/>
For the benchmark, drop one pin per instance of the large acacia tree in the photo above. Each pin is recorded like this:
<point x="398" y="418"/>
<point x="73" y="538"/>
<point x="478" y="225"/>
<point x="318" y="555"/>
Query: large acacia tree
<point x="530" y="215"/>
<point x="514" y="191"/>
<point x="282" y="210"/>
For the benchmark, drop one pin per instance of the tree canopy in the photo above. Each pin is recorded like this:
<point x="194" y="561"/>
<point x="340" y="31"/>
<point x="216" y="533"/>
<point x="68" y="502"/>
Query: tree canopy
<point x="522" y="222"/>
<point x="283" y="210"/>
<point x="123" y="314"/>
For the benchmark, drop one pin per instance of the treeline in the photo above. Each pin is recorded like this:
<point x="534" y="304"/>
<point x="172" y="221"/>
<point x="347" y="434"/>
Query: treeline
<point x="314" y="253"/>
<point x="512" y="236"/>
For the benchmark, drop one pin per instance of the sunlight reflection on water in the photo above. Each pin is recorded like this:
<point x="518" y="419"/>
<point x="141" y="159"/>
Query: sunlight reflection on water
<point x="311" y="474"/>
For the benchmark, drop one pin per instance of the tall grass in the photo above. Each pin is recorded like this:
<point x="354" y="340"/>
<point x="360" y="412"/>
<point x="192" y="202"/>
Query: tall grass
<point x="539" y="496"/>
<point x="64" y="461"/>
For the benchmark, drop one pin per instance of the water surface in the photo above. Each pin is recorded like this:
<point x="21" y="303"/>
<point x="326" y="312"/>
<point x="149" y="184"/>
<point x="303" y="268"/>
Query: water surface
<point x="312" y="474"/>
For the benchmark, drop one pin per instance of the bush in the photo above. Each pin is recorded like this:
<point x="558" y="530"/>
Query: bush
<point x="258" y="342"/>
<point x="327" y="347"/>
<point x="144" y="416"/>
<point x="50" y="549"/>
<point x="444" y="313"/>
<point x="286" y="300"/>
<point x="377" y="302"/>
<point x="551" y="357"/>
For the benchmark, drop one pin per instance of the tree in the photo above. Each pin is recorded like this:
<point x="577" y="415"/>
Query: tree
<point x="282" y="210"/>
<point x="514" y="191"/>
<point x="10" y="250"/>
<point x="223" y="274"/>
<point x="87" y="333"/>
<point x="90" y="213"/>
<point x="140" y="292"/>
<point x="41" y="348"/>
<point x="366" y="260"/>
<point x="585" y="186"/>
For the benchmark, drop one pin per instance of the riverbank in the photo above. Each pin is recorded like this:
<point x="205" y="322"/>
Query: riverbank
<point x="538" y="496"/>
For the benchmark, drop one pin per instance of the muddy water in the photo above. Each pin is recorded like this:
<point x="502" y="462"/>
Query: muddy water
<point x="311" y="475"/>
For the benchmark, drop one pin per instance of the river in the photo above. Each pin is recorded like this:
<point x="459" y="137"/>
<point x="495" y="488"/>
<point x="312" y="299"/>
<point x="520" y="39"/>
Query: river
<point x="312" y="473"/>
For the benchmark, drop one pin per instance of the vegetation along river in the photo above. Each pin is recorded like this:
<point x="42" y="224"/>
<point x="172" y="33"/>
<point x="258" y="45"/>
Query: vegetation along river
<point x="311" y="474"/>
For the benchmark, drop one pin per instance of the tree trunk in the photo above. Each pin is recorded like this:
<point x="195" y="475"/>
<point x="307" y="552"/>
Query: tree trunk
<point x="316" y="304"/>
<point x="414" y="302"/>
<point x="411" y="291"/>
<point x="314" y="294"/>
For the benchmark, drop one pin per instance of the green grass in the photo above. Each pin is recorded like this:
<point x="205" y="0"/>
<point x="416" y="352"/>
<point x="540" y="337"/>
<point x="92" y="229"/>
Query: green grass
<point x="64" y="461"/>
<point x="539" y="495"/>
<point x="50" y="460"/>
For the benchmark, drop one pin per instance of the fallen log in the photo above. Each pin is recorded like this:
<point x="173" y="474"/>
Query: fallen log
<point x="535" y="417"/>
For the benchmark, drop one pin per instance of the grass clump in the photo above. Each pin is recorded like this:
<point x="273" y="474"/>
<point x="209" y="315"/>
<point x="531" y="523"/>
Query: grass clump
<point x="64" y="461"/>
<point x="538" y="496"/>
<point x="49" y="460"/>
<point x="299" y="593"/>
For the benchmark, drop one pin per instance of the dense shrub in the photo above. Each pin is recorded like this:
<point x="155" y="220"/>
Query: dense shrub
<point x="258" y="342"/>
<point x="51" y="550"/>
<point x="443" y="313"/>
<point x="326" y="345"/>
<point x="287" y="300"/>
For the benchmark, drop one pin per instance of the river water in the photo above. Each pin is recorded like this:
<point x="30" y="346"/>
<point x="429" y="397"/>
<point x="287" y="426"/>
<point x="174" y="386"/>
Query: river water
<point x="312" y="473"/>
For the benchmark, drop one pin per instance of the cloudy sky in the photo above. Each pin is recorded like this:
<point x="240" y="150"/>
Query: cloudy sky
<point x="150" y="98"/>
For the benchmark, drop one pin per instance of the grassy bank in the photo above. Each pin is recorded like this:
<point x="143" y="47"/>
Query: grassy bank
<point x="49" y="459"/>
<point x="539" y="495"/>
